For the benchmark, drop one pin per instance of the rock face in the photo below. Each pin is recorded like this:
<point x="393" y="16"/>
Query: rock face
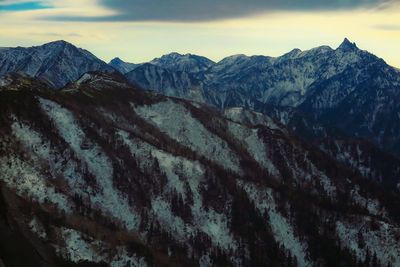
<point x="103" y="174"/>
<point x="58" y="63"/>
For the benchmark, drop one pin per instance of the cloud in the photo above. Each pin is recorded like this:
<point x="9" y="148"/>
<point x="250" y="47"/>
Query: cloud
<point x="58" y="35"/>
<point x="18" y="5"/>
<point x="208" y="10"/>
<point x="387" y="27"/>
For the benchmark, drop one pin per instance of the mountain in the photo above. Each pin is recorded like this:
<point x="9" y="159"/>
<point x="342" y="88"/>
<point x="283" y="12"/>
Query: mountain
<point x="188" y="63"/>
<point x="343" y="92"/>
<point x="172" y="83"/>
<point x="346" y="91"/>
<point x="101" y="173"/>
<point x="58" y="63"/>
<point x="122" y="66"/>
<point x="363" y="101"/>
<point x="288" y="80"/>
<point x="282" y="81"/>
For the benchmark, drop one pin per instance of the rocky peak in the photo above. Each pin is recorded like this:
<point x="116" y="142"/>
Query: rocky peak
<point x="122" y="66"/>
<point x="347" y="46"/>
<point x="179" y="62"/>
<point x="292" y="54"/>
<point x="116" y="60"/>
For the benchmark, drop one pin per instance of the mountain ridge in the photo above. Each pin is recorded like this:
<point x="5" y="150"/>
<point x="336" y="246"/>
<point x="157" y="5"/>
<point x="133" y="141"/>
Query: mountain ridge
<point x="48" y="61"/>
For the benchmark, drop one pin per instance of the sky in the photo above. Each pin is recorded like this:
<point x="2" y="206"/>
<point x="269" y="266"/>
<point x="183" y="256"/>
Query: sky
<point x="140" y="30"/>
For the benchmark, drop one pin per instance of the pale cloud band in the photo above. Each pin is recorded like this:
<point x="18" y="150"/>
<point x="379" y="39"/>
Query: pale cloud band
<point x="209" y="10"/>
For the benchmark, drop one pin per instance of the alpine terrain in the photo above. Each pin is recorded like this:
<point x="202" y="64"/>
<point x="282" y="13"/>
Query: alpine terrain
<point x="345" y="89"/>
<point x="181" y="161"/>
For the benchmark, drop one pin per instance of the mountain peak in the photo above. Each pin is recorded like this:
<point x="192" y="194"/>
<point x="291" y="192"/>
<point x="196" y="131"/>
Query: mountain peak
<point x="347" y="46"/>
<point x="122" y="66"/>
<point x="183" y="62"/>
<point x="60" y="43"/>
<point x="292" y="54"/>
<point x="116" y="60"/>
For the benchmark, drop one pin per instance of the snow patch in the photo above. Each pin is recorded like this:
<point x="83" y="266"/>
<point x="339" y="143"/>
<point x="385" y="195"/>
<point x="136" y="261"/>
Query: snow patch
<point x="178" y="123"/>
<point x="372" y="205"/>
<point x="36" y="227"/>
<point x="214" y="224"/>
<point x="109" y="199"/>
<point x="254" y="145"/>
<point x="283" y="232"/>
<point x="27" y="181"/>
<point x="79" y="247"/>
<point x="358" y="236"/>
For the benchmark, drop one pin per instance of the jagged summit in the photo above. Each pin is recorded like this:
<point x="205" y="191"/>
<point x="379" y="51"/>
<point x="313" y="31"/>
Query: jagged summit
<point x="347" y="46"/>
<point x="122" y="66"/>
<point x="115" y="60"/>
<point x="188" y="62"/>
<point x="59" y="42"/>
<point x="295" y="51"/>
<point x="292" y="54"/>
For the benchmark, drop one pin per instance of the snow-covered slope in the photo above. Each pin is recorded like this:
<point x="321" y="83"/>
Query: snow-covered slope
<point x="58" y="62"/>
<point x="102" y="173"/>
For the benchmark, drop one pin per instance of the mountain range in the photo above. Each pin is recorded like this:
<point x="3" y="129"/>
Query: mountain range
<point x="182" y="161"/>
<point x="345" y="89"/>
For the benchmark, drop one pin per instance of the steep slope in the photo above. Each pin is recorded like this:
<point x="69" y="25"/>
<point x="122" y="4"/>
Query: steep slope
<point x="114" y="176"/>
<point x="57" y="62"/>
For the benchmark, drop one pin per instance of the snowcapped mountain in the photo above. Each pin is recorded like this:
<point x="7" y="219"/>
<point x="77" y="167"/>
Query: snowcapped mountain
<point x="188" y="63"/>
<point x="122" y="66"/>
<point x="58" y="63"/>
<point x="104" y="174"/>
